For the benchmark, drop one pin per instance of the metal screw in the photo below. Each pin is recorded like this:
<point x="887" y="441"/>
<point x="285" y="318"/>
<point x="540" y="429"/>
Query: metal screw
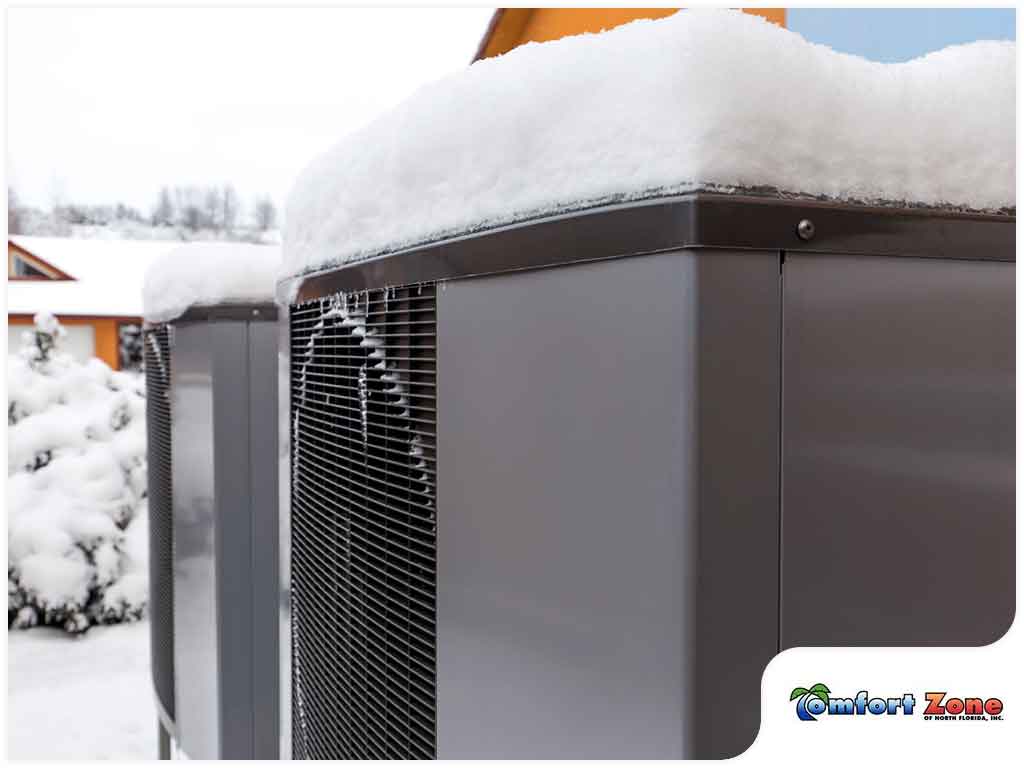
<point x="805" y="229"/>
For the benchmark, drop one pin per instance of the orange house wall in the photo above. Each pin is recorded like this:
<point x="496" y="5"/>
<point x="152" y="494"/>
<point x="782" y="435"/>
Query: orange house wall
<point x="516" y="26"/>
<point x="104" y="328"/>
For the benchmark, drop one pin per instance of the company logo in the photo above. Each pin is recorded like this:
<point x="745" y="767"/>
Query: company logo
<point x="813" y="702"/>
<point x="967" y="708"/>
<point x="818" y="700"/>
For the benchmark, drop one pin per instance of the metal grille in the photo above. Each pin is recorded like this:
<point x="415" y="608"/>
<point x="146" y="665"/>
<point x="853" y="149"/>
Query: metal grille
<point x="161" y="544"/>
<point x="363" y="525"/>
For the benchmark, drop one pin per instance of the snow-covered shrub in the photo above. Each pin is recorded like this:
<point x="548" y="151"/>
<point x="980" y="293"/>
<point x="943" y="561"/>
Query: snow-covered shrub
<point x="76" y="487"/>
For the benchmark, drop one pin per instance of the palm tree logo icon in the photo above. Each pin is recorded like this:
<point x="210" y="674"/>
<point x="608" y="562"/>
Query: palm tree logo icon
<point x="810" y="701"/>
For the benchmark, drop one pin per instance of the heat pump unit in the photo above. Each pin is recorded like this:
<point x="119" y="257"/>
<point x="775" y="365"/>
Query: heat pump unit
<point x="211" y="377"/>
<point x="563" y="489"/>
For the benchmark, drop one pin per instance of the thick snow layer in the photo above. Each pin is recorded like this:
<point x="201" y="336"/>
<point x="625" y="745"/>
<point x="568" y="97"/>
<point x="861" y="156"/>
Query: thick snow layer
<point x="703" y="99"/>
<point x="80" y="698"/>
<point x="202" y="274"/>
<point x="76" y="488"/>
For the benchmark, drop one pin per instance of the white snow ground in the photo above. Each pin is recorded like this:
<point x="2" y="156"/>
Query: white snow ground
<point x="84" y="698"/>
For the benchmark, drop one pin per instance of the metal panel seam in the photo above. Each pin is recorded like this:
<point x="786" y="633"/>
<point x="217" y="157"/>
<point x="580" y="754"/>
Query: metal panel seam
<point x="781" y="417"/>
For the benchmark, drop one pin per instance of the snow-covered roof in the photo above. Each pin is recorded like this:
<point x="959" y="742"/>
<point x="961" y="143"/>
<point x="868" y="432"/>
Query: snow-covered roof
<point x="203" y="274"/>
<point x="705" y="99"/>
<point x="107" y="276"/>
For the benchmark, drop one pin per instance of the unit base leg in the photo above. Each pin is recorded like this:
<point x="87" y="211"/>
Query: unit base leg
<point x="165" y="740"/>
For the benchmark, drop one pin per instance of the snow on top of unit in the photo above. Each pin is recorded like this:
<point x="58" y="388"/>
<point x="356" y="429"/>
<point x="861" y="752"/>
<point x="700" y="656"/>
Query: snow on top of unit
<point x="203" y="274"/>
<point x="710" y="99"/>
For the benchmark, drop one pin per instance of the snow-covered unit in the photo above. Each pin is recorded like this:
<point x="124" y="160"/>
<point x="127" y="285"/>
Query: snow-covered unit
<point x="211" y="367"/>
<point x="614" y="366"/>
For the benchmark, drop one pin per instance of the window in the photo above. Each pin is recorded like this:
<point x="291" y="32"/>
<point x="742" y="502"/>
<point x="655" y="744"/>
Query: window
<point x="21" y="268"/>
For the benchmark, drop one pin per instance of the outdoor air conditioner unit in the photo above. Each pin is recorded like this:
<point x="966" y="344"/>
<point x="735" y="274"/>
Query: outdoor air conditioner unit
<point x="212" y="408"/>
<point x="563" y="488"/>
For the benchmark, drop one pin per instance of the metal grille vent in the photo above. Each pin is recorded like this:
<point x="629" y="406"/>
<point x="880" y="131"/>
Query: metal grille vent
<point x="161" y="544"/>
<point x="363" y="526"/>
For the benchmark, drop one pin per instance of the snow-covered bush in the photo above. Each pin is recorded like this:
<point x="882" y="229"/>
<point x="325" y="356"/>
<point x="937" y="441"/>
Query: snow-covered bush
<point x="76" y="487"/>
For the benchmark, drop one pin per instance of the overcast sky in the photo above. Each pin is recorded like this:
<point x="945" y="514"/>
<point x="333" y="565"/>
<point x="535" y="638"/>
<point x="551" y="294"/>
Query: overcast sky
<point x="108" y="104"/>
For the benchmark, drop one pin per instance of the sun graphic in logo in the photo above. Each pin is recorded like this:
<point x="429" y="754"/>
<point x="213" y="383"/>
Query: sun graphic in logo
<point x="810" y="701"/>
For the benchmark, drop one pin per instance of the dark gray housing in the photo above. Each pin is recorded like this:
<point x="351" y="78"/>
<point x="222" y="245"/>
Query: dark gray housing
<point x="562" y="489"/>
<point x="212" y="412"/>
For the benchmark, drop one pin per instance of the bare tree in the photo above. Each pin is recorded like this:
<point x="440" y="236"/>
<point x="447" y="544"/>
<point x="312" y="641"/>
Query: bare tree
<point x="229" y="207"/>
<point x="58" y="209"/>
<point x="188" y="201"/>
<point x="124" y="212"/>
<point x="212" y="208"/>
<point x="192" y="218"/>
<point x="191" y="210"/>
<point x="265" y="214"/>
<point x="163" y="213"/>
<point x="13" y="215"/>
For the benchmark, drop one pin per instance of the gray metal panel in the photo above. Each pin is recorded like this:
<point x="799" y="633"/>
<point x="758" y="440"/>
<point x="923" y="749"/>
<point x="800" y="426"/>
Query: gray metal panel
<point x="764" y="222"/>
<point x="608" y="467"/>
<point x="898" y="503"/>
<point x="737" y="620"/>
<point x="234" y="536"/>
<point x="226" y="529"/>
<point x="195" y="606"/>
<point x="263" y="442"/>
<point x="284" y="496"/>
<point x="565" y="497"/>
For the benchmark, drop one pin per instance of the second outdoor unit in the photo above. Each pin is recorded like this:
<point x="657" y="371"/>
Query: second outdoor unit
<point x="211" y="371"/>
